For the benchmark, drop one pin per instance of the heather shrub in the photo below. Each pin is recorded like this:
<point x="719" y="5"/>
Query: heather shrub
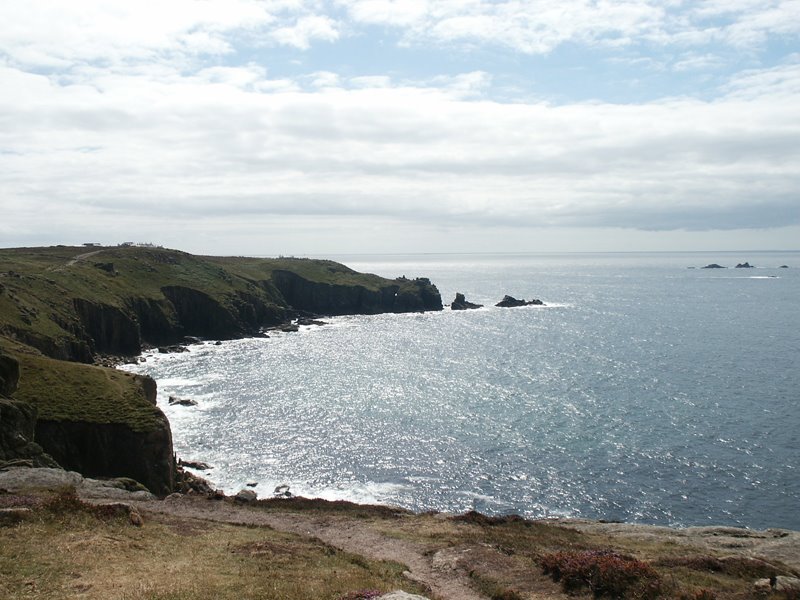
<point x="604" y="572"/>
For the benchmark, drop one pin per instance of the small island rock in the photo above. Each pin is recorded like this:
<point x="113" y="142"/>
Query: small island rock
<point x="744" y="265"/>
<point x="511" y="302"/>
<point x="174" y="400"/>
<point x="461" y="303"/>
<point x="714" y="266"/>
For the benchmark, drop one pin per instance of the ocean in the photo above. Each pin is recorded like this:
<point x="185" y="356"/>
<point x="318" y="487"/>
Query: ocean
<point x="645" y="391"/>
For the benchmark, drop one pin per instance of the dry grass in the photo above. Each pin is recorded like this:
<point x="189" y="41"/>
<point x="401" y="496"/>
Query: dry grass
<point x="72" y="552"/>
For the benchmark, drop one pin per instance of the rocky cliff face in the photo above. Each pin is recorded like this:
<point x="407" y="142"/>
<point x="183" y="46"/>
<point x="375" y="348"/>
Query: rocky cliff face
<point x="115" y="449"/>
<point x="111" y="330"/>
<point x="112" y="450"/>
<point x="17" y="421"/>
<point x="324" y="298"/>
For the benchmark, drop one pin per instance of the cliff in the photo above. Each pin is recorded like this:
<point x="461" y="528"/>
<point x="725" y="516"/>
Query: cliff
<point x="60" y="306"/>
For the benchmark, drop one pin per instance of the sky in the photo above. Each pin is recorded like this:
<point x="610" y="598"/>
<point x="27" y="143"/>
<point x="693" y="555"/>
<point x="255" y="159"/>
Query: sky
<point x="317" y="127"/>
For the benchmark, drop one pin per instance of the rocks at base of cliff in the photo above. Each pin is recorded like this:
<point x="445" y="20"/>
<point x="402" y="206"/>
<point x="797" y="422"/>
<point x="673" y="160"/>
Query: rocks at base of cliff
<point x="744" y="265"/>
<point x="175" y="401"/>
<point x="511" y="302"/>
<point x="194" y="464"/>
<point x="174" y="349"/>
<point x="461" y="303"/>
<point x="714" y="266"/>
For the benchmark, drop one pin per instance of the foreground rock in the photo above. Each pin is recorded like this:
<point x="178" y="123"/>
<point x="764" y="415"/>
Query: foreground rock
<point x="461" y="303"/>
<point x="511" y="302"/>
<point x="18" y="480"/>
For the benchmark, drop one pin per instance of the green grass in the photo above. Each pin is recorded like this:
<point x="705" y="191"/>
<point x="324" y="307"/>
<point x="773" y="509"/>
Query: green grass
<point x="66" y="391"/>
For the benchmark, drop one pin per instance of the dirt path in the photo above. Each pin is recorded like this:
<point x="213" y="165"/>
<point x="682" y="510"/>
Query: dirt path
<point x="345" y="533"/>
<point x="83" y="256"/>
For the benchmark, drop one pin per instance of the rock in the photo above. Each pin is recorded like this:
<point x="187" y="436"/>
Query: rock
<point x="174" y="400"/>
<point x="9" y="375"/>
<point x="245" y="496"/>
<point x="784" y="267"/>
<point x="714" y="266"/>
<point x="12" y="516"/>
<point x="460" y="303"/>
<point x="308" y="321"/>
<point x="744" y="265"/>
<point x="282" y="491"/>
<point x="21" y="479"/>
<point x="218" y="343"/>
<point x="190" y="339"/>
<point x="174" y="349"/>
<point x="252" y="484"/>
<point x="198" y="465"/>
<point x="119" y="509"/>
<point x="401" y="595"/>
<point x="788" y="585"/>
<point x="511" y="302"/>
<point x="122" y="488"/>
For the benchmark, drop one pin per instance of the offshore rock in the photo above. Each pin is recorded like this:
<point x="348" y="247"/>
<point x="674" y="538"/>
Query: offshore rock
<point x="460" y="303"/>
<point x="714" y="266"/>
<point x="511" y="302"/>
<point x="174" y="400"/>
<point x="744" y="265"/>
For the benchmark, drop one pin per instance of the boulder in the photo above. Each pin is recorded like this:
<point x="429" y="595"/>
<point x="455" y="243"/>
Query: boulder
<point x="460" y="303"/>
<point x="784" y="267"/>
<point x="174" y="400"/>
<point x="245" y="496"/>
<point x="511" y="302"/>
<point x="788" y="585"/>
<point x="714" y="266"/>
<point x="174" y="349"/>
<point x="194" y="464"/>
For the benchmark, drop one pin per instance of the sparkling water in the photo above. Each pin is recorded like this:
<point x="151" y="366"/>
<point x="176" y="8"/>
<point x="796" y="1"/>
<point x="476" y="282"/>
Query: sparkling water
<point x="645" y="391"/>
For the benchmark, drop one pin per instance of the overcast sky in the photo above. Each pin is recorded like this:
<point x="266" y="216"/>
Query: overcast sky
<point x="332" y="126"/>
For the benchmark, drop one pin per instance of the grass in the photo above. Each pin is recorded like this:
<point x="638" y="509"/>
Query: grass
<point x="74" y="552"/>
<point x="65" y="391"/>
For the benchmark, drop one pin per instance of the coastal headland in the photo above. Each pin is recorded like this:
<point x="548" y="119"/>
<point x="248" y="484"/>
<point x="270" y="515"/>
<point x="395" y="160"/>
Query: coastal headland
<point x="88" y="475"/>
<point x="66" y="310"/>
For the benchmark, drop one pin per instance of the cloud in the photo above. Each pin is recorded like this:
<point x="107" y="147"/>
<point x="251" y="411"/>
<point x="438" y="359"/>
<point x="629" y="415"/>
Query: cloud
<point x="540" y="26"/>
<point x="229" y="141"/>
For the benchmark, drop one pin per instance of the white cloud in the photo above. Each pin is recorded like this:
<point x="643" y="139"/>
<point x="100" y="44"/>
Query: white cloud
<point x="306" y="30"/>
<point x="185" y="147"/>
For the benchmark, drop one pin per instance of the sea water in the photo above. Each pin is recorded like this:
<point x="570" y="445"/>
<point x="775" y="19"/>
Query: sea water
<point x="645" y="391"/>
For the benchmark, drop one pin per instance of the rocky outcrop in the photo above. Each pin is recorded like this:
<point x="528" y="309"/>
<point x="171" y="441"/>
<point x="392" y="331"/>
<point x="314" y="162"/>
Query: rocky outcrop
<point x="17" y="434"/>
<point x="9" y="375"/>
<point x="511" y="302"/>
<point x="460" y="303"/>
<point x="112" y="450"/>
<point x="405" y="295"/>
<point x="713" y="266"/>
<point x="17" y="422"/>
<point x="744" y="265"/>
<point x="112" y="330"/>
